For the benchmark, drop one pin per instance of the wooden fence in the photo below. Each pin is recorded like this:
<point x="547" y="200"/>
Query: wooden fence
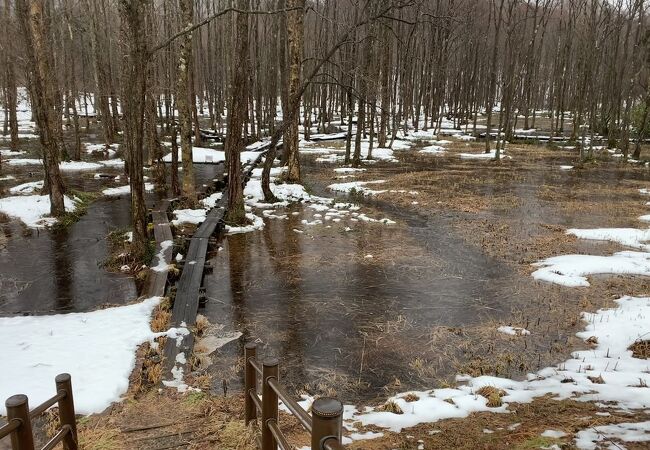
<point x="19" y="418"/>
<point x="324" y="425"/>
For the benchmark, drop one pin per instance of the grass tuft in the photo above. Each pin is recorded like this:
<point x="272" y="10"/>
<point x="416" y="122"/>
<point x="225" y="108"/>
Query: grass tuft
<point x="391" y="407"/>
<point x="640" y="349"/>
<point x="493" y="395"/>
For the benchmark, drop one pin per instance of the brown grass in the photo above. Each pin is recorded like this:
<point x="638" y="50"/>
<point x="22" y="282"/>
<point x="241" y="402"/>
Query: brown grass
<point x="411" y="397"/>
<point x="640" y="349"/>
<point x="391" y="407"/>
<point x="493" y="395"/>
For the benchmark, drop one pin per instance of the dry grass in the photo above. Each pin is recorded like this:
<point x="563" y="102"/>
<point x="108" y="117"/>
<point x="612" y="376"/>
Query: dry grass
<point x="411" y="397"/>
<point x="236" y="435"/>
<point x="202" y="324"/>
<point x="99" y="436"/>
<point x="391" y="407"/>
<point x="493" y="395"/>
<point x="641" y="349"/>
<point x="161" y="320"/>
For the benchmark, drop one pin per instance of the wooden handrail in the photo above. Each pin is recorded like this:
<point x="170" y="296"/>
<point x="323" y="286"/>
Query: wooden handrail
<point x="291" y="404"/>
<point x="57" y="438"/>
<point x="19" y="424"/>
<point x="324" y="425"/>
<point x="9" y="428"/>
<point x="40" y="409"/>
<point x="278" y="436"/>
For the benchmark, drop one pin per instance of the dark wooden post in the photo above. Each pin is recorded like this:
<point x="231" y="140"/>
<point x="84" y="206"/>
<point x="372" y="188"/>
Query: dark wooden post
<point x="18" y="408"/>
<point x="66" y="410"/>
<point x="250" y="382"/>
<point x="269" y="403"/>
<point x="327" y="420"/>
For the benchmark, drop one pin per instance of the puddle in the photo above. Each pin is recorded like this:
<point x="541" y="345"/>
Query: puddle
<point x="352" y="313"/>
<point x="325" y="300"/>
<point x="51" y="271"/>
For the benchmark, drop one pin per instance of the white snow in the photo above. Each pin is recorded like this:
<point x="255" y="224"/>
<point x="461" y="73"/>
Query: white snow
<point x="491" y="155"/>
<point x="125" y="190"/>
<point x="97" y="349"/>
<point x="210" y="155"/>
<point x="193" y="216"/>
<point x="75" y="166"/>
<point x="433" y="149"/>
<point x="66" y="166"/>
<point x="630" y="237"/>
<point x="357" y="186"/>
<point x="553" y="434"/>
<point x="571" y="270"/>
<point x="7" y="178"/>
<point x="32" y="210"/>
<point x="627" y="432"/>
<point x="91" y="148"/>
<point x="513" y="331"/>
<point x="23" y="162"/>
<point x="117" y="162"/>
<point x="257" y="223"/>
<point x="27" y="188"/>
<point x="211" y="201"/>
<point x="8" y="153"/>
<point x="566" y="167"/>
<point x="161" y="265"/>
<point x="348" y="170"/>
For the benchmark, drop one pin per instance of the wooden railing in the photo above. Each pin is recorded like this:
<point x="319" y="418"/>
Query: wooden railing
<point x="324" y="425"/>
<point x="19" y="418"/>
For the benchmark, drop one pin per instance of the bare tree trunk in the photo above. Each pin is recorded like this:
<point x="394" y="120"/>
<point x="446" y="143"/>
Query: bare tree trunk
<point x="235" y="141"/>
<point x="295" y="35"/>
<point x="134" y="76"/>
<point x="184" y="108"/>
<point x="35" y="28"/>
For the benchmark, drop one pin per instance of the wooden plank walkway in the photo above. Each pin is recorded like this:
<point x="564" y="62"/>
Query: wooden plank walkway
<point x="157" y="279"/>
<point x="186" y="303"/>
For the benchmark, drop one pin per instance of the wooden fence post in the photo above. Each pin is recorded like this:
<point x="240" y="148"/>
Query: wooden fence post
<point x="250" y="382"/>
<point x="18" y="408"/>
<point x="269" y="403"/>
<point x="66" y="410"/>
<point x="327" y="420"/>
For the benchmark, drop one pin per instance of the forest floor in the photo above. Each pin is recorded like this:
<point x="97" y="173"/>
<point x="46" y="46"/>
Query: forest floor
<point x="516" y="211"/>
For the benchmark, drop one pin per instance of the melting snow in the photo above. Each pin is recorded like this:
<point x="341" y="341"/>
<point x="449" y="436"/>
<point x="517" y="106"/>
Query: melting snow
<point x="97" y="348"/>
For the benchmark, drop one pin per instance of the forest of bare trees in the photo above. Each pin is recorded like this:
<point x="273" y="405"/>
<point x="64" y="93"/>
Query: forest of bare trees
<point x="145" y="71"/>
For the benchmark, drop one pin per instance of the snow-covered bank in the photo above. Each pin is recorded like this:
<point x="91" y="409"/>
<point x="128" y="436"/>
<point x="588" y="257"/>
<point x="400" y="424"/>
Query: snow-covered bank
<point x="571" y="270"/>
<point x="97" y="348"/>
<point x="27" y="188"/>
<point x="32" y="210"/>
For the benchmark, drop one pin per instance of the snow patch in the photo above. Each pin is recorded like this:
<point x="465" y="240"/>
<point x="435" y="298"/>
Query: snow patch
<point x="97" y="348"/>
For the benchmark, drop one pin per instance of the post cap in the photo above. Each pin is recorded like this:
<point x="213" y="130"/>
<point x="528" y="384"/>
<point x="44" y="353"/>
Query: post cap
<point x="16" y="400"/>
<point x="270" y="362"/>
<point x="250" y="346"/>
<point x="62" y="377"/>
<point x="327" y="407"/>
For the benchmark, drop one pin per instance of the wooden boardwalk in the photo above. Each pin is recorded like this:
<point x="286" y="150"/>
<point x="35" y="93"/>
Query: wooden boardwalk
<point x="186" y="303"/>
<point x="157" y="279"/>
